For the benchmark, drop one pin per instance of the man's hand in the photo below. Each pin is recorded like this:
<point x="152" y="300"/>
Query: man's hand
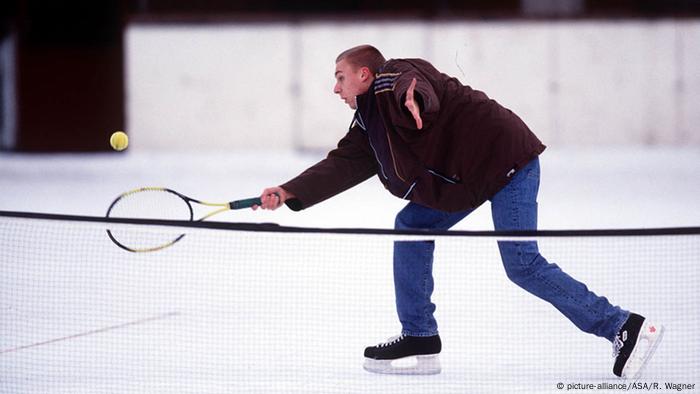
<point x="412" y="105"/>
<point x="273" y="198"/>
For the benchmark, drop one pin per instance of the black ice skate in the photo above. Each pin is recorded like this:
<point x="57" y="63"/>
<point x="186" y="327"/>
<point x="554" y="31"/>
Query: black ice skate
<point x="634" y="345"/>
<point x="405" y="355"/>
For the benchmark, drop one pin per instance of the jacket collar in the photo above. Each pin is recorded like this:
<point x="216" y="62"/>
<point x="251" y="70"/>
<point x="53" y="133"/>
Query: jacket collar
<point x="364" y="102"/>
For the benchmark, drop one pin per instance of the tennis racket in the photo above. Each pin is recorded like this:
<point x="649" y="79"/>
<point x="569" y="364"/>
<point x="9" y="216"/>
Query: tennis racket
<point x="162" y="204"/>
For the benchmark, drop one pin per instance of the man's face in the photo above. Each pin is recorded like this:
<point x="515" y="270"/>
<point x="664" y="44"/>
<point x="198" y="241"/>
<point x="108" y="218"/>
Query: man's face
<point x="351" y="82"/>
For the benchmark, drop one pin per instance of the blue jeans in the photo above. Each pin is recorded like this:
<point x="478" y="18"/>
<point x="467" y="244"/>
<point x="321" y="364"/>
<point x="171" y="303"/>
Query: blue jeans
<point x="512" y="208"/>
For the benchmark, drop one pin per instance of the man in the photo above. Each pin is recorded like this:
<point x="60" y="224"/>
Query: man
<point x="447" y="149"/>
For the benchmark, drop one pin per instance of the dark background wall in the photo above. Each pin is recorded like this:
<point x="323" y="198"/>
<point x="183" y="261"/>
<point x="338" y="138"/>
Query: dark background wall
<point x="70" y="77"/>
<point x="69" y="58"/>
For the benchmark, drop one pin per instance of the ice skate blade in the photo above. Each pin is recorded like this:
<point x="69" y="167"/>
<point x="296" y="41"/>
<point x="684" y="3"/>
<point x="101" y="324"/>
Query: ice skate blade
<point x="649" y="338"/>
<point x="413" y="365"/>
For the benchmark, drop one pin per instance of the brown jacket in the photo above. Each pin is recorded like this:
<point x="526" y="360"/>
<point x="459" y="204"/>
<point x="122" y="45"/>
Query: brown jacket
<point x="467" y="150"/>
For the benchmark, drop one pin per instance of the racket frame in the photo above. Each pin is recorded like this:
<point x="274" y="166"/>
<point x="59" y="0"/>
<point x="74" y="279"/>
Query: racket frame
<point x="222" y="207"/>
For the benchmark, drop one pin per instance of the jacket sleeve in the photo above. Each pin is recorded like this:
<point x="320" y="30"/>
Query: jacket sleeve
<point x="425" y="95"/>
<point x="351" y="163"/>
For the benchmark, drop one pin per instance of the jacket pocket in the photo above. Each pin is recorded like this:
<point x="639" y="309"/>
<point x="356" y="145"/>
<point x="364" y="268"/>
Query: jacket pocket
<point x="442" y="192"/>
<point x="449" y="179"/>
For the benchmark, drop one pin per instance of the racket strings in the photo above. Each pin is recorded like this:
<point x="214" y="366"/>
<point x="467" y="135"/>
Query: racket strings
<point x="147" y="204"/>
<point x="151" y="204"/>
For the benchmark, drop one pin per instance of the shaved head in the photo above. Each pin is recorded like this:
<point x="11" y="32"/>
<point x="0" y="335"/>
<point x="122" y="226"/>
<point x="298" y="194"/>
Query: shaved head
<point x="363" y="56"/>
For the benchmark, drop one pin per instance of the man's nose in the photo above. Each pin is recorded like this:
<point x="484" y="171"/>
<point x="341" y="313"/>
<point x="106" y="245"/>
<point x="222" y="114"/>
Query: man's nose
<point x="336" y="89"/>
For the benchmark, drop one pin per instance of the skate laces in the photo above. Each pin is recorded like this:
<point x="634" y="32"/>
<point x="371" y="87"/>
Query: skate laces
<point x="617" y="345"/>
<point x="391" y="341"/>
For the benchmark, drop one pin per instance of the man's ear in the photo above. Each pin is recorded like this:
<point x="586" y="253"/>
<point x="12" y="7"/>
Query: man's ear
<point x="365" y="73"/>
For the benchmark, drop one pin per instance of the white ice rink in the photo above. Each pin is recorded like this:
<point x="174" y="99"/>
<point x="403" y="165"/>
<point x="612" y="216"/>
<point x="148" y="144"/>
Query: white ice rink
<point x="233" y="312"/>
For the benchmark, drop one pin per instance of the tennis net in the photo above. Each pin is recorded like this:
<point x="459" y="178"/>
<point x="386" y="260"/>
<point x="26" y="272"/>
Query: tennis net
<point x="265" y="308"/>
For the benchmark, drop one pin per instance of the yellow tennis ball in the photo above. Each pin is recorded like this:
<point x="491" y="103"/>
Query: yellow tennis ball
<point x="119" y="140"/>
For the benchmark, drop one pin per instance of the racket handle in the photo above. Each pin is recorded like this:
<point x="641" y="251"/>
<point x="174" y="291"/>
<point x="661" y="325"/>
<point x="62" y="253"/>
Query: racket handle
<point x="247" y="203"/>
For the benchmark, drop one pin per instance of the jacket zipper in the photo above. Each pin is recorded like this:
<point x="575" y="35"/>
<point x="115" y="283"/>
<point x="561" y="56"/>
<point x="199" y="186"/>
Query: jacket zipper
<point x="376" y="156"/>
<point x="396" y="168"/>
<point x="393" y="159"/>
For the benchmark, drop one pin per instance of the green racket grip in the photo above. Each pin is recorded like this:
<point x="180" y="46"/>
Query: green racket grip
<point x="247" y="203"/>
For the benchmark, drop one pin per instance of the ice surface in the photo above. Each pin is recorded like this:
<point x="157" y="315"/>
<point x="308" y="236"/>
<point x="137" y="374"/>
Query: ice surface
<point x="232" y="312"/>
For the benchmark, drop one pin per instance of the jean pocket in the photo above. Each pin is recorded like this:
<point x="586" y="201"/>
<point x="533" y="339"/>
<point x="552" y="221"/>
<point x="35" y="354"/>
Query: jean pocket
<point x="533" y="169"/>
<point x="533" y="173"/>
